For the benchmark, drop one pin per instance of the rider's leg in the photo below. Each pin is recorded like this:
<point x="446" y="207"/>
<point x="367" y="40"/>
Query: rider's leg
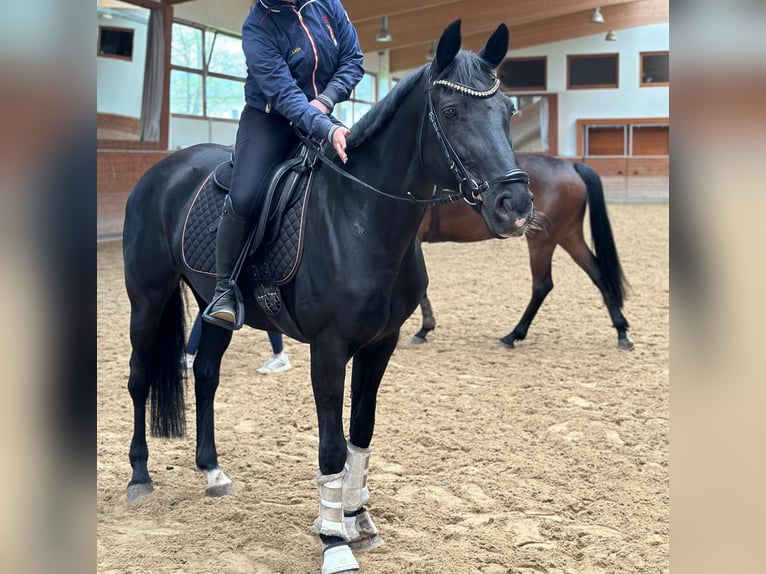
<point x="263" y="141"/>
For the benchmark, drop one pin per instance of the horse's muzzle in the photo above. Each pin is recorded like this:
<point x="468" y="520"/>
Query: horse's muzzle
<point x="509" y="212"/>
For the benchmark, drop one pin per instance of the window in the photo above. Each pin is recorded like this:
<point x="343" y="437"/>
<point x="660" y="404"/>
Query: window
<point x="593" y="71"/>
<point x="361" y="100"/>
<point x="518" y="74"/>
<point x="115" y="42"/>
<point x="616" y="137"/>
<point x="655" y="69"/>
<point x="207" y="73"/>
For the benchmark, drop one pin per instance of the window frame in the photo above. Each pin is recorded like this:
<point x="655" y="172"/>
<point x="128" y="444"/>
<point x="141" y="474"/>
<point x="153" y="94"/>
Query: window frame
<point x="116" y="29"/>
<point x="543" y="88"/>
<point x="352" y="100"/>
<point x="162" y="143"/>
<point x="609" y="55"/>
<point x="627" y="124"/>
<point x="641" y="82"/>
<point x="204" y="72"/>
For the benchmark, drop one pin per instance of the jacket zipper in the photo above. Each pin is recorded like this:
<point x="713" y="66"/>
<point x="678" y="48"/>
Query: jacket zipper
<point x="314" y="48"/>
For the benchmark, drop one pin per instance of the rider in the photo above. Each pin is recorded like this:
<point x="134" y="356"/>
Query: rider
<point x="303" y="57"/>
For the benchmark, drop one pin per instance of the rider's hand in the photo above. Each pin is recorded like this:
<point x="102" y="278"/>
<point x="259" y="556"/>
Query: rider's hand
<point x="339" y="142"/>
<point x="320" y="106"/>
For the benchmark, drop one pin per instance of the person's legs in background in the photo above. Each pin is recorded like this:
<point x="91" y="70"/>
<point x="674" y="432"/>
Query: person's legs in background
<point x="279" y="361"/>
<point x="193" y="343"/>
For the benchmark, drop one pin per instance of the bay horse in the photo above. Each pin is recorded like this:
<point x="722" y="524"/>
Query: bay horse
<point x="361" y="275"/>
<point x="561" y="191"/>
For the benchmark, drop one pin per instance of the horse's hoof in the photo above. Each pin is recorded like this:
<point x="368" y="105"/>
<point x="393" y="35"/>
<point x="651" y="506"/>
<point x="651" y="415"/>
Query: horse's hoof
<point x="219" y="490"/>
<point x="138" y="491"/>
<point x="507" y="343"/>
<point x="338" y="559"/>
<point x="362" y="531"/>
<point x="415" y="341"/>
<point x="625" y="344"/>
<point x="368" y="543"/>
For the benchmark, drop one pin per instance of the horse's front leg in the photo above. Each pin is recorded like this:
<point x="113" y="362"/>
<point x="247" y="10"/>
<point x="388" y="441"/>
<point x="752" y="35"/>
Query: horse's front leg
<point x="369" y="366"/>
<point x="328" y="370"/>
<point x="207" y="368"/>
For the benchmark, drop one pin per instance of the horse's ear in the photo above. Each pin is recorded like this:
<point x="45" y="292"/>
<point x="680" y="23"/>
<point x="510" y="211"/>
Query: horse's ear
<point x="449" y="45"/>
<point x="496" y="47"/>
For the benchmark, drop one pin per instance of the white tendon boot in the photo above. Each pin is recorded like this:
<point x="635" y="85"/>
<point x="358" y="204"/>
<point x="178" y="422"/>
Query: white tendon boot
<point x="335" y="558"/>
<point x="362" y="532"/>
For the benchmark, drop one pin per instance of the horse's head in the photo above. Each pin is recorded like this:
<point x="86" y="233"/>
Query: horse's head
<point x="471" y="123"/>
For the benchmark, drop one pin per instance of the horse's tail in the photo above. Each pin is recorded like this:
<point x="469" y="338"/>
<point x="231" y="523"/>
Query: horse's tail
<point x="607" y="260"/>
<point x="167" y="412"/>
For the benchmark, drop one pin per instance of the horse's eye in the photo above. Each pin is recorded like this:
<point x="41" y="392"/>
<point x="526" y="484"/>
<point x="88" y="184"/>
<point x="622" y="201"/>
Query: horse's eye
<point x="450" y="113"/>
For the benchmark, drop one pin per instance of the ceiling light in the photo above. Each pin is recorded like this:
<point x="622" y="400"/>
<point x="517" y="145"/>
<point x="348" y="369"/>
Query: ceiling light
<point x="611" y="36"/>
<point x="383" y="35"/>
<point x="431" y="54"/>
<point x="596" y="17"/>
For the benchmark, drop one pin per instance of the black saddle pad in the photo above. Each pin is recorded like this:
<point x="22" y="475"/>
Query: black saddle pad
<point x="283" y="249"/>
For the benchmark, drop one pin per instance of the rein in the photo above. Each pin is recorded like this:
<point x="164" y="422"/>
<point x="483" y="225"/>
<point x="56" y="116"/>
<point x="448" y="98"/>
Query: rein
<point x="319" y="154"/>
<point x="471" y="191"/>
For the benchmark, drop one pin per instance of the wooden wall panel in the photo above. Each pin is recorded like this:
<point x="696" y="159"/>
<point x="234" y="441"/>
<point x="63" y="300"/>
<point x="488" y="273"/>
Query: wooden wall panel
<point x="651" y="140"/>
<point x="648" y="166"/>
<point x="606" y="140"/>
<point x="608" y="166"/>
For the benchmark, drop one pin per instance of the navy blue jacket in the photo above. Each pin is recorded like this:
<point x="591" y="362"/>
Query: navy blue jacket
<point x="299" y="52"/>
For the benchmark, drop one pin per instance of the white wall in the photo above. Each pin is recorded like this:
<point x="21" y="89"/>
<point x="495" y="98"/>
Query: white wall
<point x="121" y="82"/>
<point x="628" y="101"/>
<point x="185" y="132"/>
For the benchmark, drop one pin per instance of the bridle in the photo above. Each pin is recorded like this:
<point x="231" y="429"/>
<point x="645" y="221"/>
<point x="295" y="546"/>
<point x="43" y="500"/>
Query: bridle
<point x="471" y="190"/>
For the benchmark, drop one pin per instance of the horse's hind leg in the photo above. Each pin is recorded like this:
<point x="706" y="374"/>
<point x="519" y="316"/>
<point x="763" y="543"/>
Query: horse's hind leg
<point x="156" y="334"/>
<point x="583" y="256"/>
<point x="369" y="366"/>
<point x="540" y="256"/>
<point x="207" y="367"/>
<point x="428" y="324"/>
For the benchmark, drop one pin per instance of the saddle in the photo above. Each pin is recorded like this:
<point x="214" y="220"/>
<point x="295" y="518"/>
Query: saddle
<point x="272" y="252"/>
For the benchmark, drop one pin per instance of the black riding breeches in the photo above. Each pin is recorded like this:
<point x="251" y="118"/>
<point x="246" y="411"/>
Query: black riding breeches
<point x="263" y="142"/>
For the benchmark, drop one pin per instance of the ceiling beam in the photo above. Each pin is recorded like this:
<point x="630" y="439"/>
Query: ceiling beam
<point x="361" y="10"/>
<point x="638" y="13"/>
<point x="429" y="23"/>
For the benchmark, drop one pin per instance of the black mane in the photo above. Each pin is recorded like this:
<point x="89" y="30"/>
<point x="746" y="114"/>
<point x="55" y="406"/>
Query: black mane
<point x="381" y="113"/>
<point x="467" y="68"/>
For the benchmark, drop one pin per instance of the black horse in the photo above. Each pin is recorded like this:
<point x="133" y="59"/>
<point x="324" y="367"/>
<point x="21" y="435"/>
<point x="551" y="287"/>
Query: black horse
<point x="361" y="276"/>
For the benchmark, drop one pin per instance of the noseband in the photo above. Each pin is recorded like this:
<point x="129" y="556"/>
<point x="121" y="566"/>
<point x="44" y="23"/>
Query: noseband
<point x="472" y="191"/>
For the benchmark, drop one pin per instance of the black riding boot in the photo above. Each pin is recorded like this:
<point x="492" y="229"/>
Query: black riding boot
<point x="228" y="243"/>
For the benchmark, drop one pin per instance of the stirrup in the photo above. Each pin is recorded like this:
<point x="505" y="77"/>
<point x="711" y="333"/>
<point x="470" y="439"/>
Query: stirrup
<point x="239" y="310"/>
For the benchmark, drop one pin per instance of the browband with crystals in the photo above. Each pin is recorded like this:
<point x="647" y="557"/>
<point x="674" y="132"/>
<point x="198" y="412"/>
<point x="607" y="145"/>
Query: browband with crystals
<point x="467" y="90"/>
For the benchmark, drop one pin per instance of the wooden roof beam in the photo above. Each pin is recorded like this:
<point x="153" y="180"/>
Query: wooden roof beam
<point x="429" y="23"/>
<point x="639" y="13"/>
